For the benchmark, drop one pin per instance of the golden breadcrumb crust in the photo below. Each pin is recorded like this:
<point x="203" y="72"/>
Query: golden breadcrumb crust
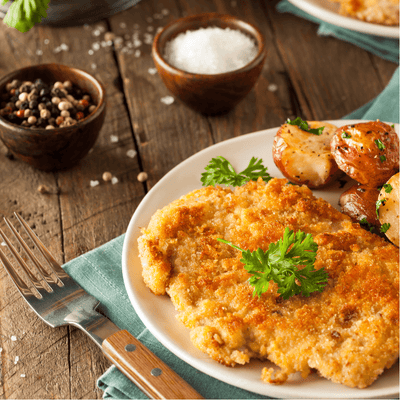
<point x="384" y="12"/>
<point x="349" y="332"/>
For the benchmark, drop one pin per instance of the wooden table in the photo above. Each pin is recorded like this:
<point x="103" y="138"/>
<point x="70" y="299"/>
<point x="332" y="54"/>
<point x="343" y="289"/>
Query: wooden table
<point x="304" y="75"/>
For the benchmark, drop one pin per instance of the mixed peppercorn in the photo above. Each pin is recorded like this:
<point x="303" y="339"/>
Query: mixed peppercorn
<point x="39" y="105"/>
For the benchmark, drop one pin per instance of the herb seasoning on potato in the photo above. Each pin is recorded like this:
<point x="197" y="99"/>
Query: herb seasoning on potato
<point x="368" y="153"/>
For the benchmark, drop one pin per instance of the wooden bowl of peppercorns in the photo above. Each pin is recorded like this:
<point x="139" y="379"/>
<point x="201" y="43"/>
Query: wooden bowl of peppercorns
<point x="50" y="114"/>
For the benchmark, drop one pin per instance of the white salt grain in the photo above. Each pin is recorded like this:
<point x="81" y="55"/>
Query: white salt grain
<point x="16" y="359"/>
<point x="137" y="53"/>
<point x="114" y="139"/>
<point x="210" y="50"/>
<point x="167" y="100"/>
<point x="152" y="71"/>
<point x="273" y="87"/>
<point x="122" y="25"/>
<point x="39" y="52"/>
<point x="94" y="183"/>
<point x="23" y="375"/>
<point x="90" y="52"/>
<point x="3" y="243"/>
<point x="46" y="41"/>
<point x="13" y="338"/>
<point x="131" y="153"/>
<point x="114" y="180"/>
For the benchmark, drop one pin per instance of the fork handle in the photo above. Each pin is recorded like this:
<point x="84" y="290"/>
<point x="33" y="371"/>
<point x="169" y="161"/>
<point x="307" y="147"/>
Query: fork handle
<point x="144" y="368"/>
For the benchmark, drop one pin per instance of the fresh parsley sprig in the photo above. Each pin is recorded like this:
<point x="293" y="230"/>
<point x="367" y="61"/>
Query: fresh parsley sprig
<point x="220" y="171"/>
<point x="24" y="14"/>
<point x="303" y="125"/>
<point x="280" y="264"/>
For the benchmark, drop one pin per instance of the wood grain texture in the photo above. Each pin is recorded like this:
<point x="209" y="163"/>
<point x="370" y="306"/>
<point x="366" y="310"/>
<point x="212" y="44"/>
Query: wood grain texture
<point x="150" y="373"/>
<point x="303" y="75"/>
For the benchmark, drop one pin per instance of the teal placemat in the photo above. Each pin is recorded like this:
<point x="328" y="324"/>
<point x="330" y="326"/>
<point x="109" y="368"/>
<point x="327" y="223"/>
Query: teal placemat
<point x="99" y="272"/>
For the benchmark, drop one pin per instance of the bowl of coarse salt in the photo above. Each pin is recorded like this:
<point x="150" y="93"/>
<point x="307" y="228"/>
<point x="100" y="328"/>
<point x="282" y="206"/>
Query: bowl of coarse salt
<point x="209" y="61"/>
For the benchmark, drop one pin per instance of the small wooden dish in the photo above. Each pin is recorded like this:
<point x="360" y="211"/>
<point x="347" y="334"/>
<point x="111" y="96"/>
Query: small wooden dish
<point x="58" y="148"/>
<point x="209" y="94"/>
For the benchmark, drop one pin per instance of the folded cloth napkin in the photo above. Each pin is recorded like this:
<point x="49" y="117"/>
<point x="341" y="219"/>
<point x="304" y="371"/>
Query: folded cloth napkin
<point x="99" y="272"/>
<point x="386" y="105"/>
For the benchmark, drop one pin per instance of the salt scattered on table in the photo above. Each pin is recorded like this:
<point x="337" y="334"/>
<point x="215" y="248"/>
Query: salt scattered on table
<point x="114" y="180"/>
<point x="39" y="52"/>
<point x="137" y="53"/>
<point x="23" y="375"/>
<point x="122" y="25"/>
<point x="46" y="41"/>
<point x="13" y="338"/>
<point x="94" y="66"/>
<point x="16" y="359"/>
<point x="3" y="243"/>
<point x="94" y="183"/>
<point x="96" y="46"/>
<point x="114" y="138"/>
<point x="164" y="11"/>
<point x="167" y="100"/>
<point x="152" y="71"/>
<point x="131" y="153"/>
<point x="211" y="50"/>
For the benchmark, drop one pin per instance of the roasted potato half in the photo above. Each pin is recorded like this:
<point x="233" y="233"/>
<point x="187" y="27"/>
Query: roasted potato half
<point x="388" y="208"/>
<point x="305" y="158"/>
<point x="359" y="203"/>
<point x="368" y="152"/>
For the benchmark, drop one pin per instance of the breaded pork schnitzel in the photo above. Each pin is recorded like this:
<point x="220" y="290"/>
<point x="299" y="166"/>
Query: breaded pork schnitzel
<point x="349" y="332"/>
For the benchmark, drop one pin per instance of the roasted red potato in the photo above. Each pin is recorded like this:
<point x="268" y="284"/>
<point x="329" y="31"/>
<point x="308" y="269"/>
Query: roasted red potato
<point x="359" y="203"/>
<point x="368" y="152"/>
<point x="303" y="157"/>
<point x="388" y="209"/>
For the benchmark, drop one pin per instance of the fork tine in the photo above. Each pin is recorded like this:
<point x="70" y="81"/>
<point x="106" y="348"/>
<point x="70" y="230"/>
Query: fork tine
<point x="33" y="280"/>
<point x="19" y="283"/>
<point x="42" y="272"/>
<point x="53" y="264"/>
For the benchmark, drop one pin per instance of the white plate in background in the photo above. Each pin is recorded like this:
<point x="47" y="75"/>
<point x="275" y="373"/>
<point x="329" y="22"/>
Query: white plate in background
<point x="329" y="12"/>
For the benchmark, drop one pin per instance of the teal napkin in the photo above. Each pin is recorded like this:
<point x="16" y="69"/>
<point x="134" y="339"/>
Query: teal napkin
<point x="386" y="105"/>
<point x="99" y="272"/>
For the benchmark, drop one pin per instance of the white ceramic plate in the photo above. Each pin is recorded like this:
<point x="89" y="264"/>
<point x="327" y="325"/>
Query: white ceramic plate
<point x="158" y="312"/>
<point x="329" y="12"/>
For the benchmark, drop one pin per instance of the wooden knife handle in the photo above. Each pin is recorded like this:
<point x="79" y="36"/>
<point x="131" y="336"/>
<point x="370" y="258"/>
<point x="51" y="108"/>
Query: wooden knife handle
<point x="145" y="369"/>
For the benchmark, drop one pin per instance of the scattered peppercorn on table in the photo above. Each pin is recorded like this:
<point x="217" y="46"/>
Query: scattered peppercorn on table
<point x="146" y="133"/>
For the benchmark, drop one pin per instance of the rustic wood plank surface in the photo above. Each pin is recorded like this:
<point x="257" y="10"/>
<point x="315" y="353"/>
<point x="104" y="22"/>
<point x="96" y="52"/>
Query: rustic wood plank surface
<point x="304" y="75"/>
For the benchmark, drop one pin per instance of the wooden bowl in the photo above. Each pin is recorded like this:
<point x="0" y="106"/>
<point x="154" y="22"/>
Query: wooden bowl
<point x="58" y="148"/>
<point x="209" y="94"/>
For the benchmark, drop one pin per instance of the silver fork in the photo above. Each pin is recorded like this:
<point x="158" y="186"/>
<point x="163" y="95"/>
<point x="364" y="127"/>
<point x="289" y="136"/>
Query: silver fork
<point x="58" y="300"/>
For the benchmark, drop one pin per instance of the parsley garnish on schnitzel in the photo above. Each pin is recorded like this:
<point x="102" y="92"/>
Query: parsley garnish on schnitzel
<point x="280" y="264"/>
<point x="220" y="171"/>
